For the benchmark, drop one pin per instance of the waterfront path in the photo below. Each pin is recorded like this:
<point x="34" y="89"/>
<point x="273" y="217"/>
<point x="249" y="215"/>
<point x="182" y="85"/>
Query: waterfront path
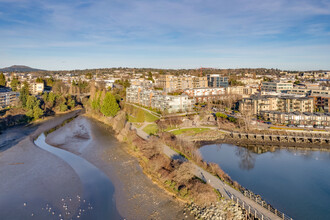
<point x="225" y="190"/>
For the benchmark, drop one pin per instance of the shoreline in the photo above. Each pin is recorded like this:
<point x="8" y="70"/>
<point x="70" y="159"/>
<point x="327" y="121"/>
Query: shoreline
<point x="206" y="207"/>
<point x="40" y="120"/>
<point x="144" y="199"/>
<point x="261" y="143"/>
<point x="33" y="176"/>
<point x="267" y="145"/>
<point x="135" y="155"/>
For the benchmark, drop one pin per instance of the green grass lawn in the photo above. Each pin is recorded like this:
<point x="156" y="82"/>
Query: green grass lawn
<point x="170" y="128"/>
<point x="149" y="117"/>
<point x="151" y="129"/>
<point x="132" y="119"/>
<point x="141" y="116"/>
<point x="189" y="131"/>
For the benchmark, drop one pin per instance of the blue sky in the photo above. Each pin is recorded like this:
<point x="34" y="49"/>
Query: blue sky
<point x="79" y="34"/>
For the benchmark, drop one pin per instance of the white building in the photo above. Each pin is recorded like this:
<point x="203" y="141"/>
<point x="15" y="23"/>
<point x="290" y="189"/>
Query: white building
<point x="158" y="99"/>
<point x="276" y="86"/>
<point x="204" y="91"/>
<point x="37" y="88"/>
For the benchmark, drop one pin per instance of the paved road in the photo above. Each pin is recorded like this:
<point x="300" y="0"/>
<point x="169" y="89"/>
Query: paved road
<point x="215" y="182"/>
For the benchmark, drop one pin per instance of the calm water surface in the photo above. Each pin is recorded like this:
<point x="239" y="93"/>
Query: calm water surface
<point x="98" y="190"/>
<point x="295" y="182"/>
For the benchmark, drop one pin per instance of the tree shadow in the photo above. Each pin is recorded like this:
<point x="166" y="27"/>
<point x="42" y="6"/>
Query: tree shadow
<point x="13" y="135"/>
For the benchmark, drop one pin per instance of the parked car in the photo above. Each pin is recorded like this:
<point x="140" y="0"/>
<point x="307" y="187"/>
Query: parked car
<point x="318" y="126"/>
<point x="291" y="125"/>
<point x="268" y="122"/>
<point x="308" y="126"/>
<point x="300" y="126"/>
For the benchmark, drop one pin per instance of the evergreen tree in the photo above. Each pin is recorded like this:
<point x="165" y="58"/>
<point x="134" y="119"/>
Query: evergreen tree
<point x="2" y="80"/>
<point x="51" y="99"/>
<point x="39" y="80"/>
<point x="110" y="106"/>
<point x="37" y="112"/>
<point x="14" y="84"/>
<point x="24" y="93"/>
<point x="33" y="107"/>
<point x="45" y="97"/>
<point x="31" y="102"/>
<point x="71" y="102"/>
<point x="150" y="77"/>
<point x="96" y="102"/>
<point x="63" y="107"/>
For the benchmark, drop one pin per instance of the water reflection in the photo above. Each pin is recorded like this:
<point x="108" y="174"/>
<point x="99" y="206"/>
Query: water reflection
<point x="247" y="158"/>
<point x="283" y="177"/>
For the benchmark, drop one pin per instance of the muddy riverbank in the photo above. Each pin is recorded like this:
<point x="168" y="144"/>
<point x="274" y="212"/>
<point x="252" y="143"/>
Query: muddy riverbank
<point x="34" y="181"/>
<point x="137" y="197"/>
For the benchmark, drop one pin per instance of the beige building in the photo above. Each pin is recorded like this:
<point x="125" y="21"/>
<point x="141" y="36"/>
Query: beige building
<point x="276" y="86"/>
<point x="37" y="88"/>
<point x="297" y="118"/>
<point x="174" y="83"/>
<point x="241" y="90"/>
<point x="256" y="104"/>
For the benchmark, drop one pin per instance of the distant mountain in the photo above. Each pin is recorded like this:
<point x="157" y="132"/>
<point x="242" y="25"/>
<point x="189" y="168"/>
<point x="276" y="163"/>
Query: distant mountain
<point x="19" y="68"/>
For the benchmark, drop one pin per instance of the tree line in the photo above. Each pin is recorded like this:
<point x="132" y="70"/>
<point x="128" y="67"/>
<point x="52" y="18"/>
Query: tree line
<point x="45" y="104"/>
<point x="104" y="102"/>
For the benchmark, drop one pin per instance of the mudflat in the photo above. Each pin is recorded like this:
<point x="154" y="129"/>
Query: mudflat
<point x="137" y="197"/>
<point x="33" y="182"/>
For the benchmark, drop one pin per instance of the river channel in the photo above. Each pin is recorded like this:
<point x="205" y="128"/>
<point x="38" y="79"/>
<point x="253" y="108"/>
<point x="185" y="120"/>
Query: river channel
<point x="293" y="181"/>
<point x="78" y="171"/>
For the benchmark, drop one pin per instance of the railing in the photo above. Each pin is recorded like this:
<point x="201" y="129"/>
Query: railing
<point x="262" y="203"/>
<point x="249" y="209"/>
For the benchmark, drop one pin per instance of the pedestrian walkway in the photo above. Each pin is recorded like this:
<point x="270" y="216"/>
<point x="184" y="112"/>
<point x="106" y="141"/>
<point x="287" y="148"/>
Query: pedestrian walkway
<point x="225" y="190"/>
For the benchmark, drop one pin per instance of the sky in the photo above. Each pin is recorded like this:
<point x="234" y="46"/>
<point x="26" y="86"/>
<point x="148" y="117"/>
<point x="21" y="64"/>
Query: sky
<point x="80" y="34"/>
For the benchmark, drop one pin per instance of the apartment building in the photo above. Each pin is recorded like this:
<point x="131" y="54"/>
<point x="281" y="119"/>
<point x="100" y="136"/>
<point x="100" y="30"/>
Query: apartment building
<point x="216" y="80"/>
<point x="256" y="104"/>
<point x="8" y="98"/>
<point x="204" y="91"/>
<point x="276" y="86"/>
<point x="310" y="91"/>
<point x="37" y="88"/>
<point x="321" y="102"/>
<point x="158" y="99"/>
<point x="241" y="90"/>
<point x="297" y="118"/>
<point x="141" y="82"/>
<point x="172" y="83"/>
<point x="205" y="94"/>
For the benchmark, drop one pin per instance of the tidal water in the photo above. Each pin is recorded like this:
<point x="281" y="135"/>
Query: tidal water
<point x="295" y="182"/>
<point x="98" y="190"/>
